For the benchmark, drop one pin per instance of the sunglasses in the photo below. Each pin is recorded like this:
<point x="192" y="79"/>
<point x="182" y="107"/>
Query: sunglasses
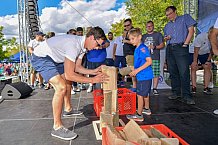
<point x="127" y="25"/>
<point x="98" y="45"/>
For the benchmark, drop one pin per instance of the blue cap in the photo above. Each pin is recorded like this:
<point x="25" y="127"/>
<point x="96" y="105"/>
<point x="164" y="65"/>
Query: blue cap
<point x="39" y="33"/>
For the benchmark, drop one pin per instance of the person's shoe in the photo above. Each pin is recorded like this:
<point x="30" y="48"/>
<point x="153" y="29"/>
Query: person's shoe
<point x="174" y="97"/>
<point x="63" y="133"/>
<point x="90" y="89"/>
<point x="190" y="102"/>
<point x="41" y="86"/>
<point x="82" y="86"/>
<point x="72" y="92"/>
<point x="215" y="111"/>
<point x="208" y="91"/>
<point x="47" y="87"/>
<point x="77" y="89"/>
<point x="211" y="86"/>
<point x="135" y="117"/>
<point x="155" y="92"/>
<point x="194" y="90"/>
<point x="133" y="89"/>
<point x="32" y="86"/>
<point x="72" y="113"/>
<point x="146" y="111"/>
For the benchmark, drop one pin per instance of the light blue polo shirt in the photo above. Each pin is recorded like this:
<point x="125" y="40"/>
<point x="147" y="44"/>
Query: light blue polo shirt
<point x="140" y="55"/>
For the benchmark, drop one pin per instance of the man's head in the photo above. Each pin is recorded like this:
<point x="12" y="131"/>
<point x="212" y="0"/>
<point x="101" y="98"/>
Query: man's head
<point x="110" y="36"/>
<point x="72" y="32"/>
<point x="127" y="24"/>
<point x="39" y="36"/>
<point x="150" y="27"/>
<point x="171" y="13"/>
<point x="79" y="31"/>
<point x="94" y="38"/>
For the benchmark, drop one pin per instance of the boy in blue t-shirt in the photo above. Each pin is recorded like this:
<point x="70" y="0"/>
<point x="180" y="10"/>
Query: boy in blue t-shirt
<point x="143" y="72"/>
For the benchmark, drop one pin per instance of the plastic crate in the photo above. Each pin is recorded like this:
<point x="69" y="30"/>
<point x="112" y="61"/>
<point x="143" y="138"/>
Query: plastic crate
<point x="161" y="127"/>
<point x="126" y="101"/>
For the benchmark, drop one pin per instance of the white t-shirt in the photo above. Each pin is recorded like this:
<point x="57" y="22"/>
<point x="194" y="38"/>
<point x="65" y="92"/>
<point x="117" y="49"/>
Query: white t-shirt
<point x="34" y="43"/>
<point x="216" y="24"/>
<point x="202" y="42"/>
<point x="59" y="47"/>
<point x="119" y="50"/>
<point x="109" y="49"/>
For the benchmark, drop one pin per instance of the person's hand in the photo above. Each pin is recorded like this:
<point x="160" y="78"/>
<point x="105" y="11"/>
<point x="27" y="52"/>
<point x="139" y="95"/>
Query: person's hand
<point x="100" y="78"/>
<point x="194" y="65"/>
<point x="208" y="63"/>
<point x="96" y="71"/>
<point x="167" y="37"/>
<point x="133" y="73"/>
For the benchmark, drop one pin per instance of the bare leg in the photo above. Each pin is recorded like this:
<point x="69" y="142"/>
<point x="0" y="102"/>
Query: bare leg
<point x="193" y="76"/>
<point x="155" y="82"/>
<point x="207" y="75"/>
<point x="140" y="104"/>
<point x="147" y="104"/>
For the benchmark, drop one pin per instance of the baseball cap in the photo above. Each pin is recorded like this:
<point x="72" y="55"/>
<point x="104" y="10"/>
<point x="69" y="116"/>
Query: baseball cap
<point x="39" y="33"/>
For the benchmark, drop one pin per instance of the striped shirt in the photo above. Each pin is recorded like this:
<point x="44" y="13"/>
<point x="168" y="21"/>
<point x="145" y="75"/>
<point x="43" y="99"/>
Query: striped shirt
<point x="178" y="30"/>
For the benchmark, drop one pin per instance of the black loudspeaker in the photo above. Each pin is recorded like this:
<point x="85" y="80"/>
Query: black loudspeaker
<point x="16" y="90"/>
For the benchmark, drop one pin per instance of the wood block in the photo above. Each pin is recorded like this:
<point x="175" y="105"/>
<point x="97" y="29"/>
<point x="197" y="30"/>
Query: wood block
<point x="112" y="74"/>
<point x="122" y="134"/>
<point x="110" y="101"/>
<point x="148" y="132"/>
<point x="149" y="141"/>
<point x="169" y="141"/>
<point x="133" y="131"/>
<point x="109" y="119"/>
<point x="157" y="133"/>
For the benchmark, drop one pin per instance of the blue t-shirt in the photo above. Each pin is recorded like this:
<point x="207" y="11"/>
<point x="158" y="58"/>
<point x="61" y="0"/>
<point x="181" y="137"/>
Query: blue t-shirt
<point x="140" y="55"/>
<point x="97" y="55"/>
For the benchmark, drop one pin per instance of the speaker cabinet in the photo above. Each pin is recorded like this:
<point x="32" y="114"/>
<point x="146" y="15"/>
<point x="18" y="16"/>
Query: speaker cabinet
<point x="16" y="90"/>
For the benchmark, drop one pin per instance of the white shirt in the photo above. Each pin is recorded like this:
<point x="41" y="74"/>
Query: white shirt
<point x="202" y="42"/>
<point x="119" y="49"/>
<point x="109" y="49"/>
<point x="34" y="43"/>
<point x="216" y="24"/>
<point x="59" y="47"/>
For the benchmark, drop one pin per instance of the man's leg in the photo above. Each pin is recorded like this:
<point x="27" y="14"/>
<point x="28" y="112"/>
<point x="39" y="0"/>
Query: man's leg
<point x="193" y="78"/>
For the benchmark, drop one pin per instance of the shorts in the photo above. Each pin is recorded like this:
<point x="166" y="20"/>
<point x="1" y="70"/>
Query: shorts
<point x="156" y="68"/>
<point x="118" y="60"/>
<point x="202" y="59"/>
<point x="47" y="67"/>
<point x="109" y="62"/>
<point x="130" y="60"/>
<point x="144" y="87"/>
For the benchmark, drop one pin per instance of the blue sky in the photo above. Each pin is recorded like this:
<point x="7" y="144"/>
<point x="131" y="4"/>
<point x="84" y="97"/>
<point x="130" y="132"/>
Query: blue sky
<point x="9" y="7"/>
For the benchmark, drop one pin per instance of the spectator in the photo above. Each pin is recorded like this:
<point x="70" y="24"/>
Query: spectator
<point x="109" y="50"/>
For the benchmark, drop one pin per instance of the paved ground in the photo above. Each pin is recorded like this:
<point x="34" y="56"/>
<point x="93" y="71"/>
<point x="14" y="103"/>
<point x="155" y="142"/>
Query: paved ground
<point x="29" y="121"/>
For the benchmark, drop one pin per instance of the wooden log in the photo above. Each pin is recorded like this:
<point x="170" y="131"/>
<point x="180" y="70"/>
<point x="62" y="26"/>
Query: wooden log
<point x="110" y="101"/>
<point x="112" y="76"/>
<point x="157" y="133"/>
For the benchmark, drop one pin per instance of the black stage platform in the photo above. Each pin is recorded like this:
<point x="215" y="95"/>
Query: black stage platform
<point x="29" y="121"/>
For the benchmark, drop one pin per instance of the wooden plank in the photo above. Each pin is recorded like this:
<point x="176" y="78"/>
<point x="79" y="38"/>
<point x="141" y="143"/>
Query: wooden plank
<point x="157" y="133"/>
<point x="169" y="141"/>
<point x="111" y="119"/>
<point x="133" y="131"/>
<point x="112" y="76"/>
<point x="107" y="101"/>
<point x="114" y="103"/>
<point x="149" y="141"/>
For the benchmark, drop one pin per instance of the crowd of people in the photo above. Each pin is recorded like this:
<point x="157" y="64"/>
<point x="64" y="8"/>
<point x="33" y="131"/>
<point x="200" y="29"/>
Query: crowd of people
<point x="67" y="61"/>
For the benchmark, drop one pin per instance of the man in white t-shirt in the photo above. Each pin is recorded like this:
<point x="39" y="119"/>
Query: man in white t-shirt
<point x="109" y="49"/>
<point x="200" y="52"/>
<point x="56" y="60"/>
<point x="31" y="46"/>
<point x="214" y="43"/>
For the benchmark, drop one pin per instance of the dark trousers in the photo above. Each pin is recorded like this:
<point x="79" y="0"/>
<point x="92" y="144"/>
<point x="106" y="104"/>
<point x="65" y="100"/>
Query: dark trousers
<point x="178" y="64"/>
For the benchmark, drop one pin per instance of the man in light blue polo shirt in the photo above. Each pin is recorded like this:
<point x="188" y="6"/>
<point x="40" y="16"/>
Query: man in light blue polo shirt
<point x="178" y="33"/>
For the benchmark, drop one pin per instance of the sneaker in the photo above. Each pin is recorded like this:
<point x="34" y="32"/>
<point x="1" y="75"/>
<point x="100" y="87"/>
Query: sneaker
<point x="194" y="90"/>
<point x="133" y="89"/>
<point x="155" y="92"/>
<point x="47" y="87"/>
<point x="208" y="91"/>
<point x="174" y="97"/>
<point x="135" y="117"/>
<point x="72" y="113"/>
<point x="63" y="133"/>
<point x="72" y="92"/>
<point x="146" y="111"/>
<point x="77" y="89"/>
<point x="82" y="86"/>
<point x="190" y="102"/>
<point x="32" y="86"/>
<point x="90" y="89"/>
<point x="215" y="111"/>
<point x="211" y="86"/>
<point x="41" y="86"/>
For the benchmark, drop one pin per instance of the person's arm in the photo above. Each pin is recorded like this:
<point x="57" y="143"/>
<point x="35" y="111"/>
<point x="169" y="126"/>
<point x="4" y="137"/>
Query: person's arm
<point x="71" y="75"/>
<point x="213" y="40"/>
<point x="190" y="35"/>
<point x="145" y="65"/>
<point x="195" y="57"/>
<point x="114" y="50"/>
<point x="30" y="50"/>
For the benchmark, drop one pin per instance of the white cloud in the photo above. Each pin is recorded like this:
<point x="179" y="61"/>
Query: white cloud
<point x="61" y="19"/>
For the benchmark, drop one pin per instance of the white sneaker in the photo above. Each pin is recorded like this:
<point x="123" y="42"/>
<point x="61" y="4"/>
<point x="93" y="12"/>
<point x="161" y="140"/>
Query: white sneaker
<point x="215" y="111"/>
<point x="211" y="85"/>
<point x="90" y="89"/>
<point x="72" y="92"/>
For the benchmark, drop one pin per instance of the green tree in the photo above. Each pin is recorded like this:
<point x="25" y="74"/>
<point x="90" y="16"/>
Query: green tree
<point x="10" y="45"/>
<point x="141" y="11"/>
